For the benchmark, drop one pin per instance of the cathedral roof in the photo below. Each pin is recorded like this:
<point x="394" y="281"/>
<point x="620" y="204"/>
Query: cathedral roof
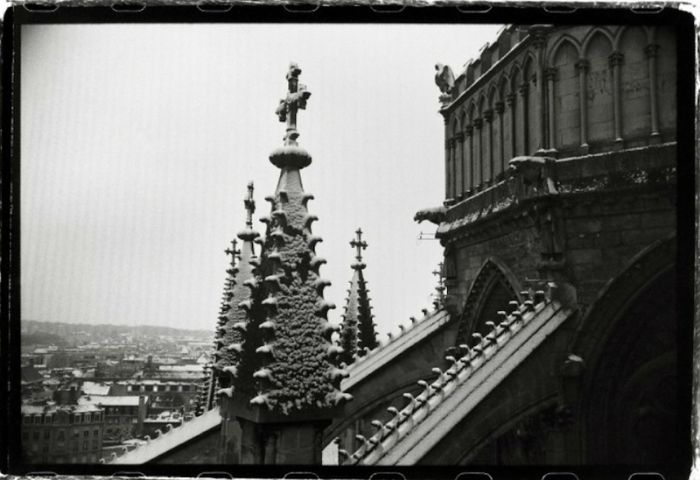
<point x="168" y="440"/>
<point x="420" y="329"/>
<point x="418" y="427"/>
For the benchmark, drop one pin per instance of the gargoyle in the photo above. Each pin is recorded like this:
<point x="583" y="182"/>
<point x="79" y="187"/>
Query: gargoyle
<point x="444" y="78"/>
<point x="434" y="215"/>
<point x="535" y="172"/>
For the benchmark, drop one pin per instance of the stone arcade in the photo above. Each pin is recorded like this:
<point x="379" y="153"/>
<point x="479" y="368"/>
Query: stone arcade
<point x="556" y="339"/>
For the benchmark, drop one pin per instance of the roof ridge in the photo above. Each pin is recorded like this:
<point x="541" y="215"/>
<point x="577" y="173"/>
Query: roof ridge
<point x="473" y="359"/>
<point x="392" y="340"/>
<point x="208" y="419"/>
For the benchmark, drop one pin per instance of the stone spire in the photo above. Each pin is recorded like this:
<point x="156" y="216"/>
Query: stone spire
<point x="299" y="370"/>
<point x="357" y="335"/>
<point x="219" y="361"/>
<point x="237" y="301"/>
<point x="439" y="301"/>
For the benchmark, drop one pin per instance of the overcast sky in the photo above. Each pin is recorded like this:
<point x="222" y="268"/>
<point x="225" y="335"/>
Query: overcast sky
<point x="137" y="142"/>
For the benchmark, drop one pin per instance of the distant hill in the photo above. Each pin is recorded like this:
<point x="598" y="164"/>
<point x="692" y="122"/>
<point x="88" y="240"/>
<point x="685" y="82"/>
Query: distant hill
<point x="32" y="328"/>
<point x="43" y="338"/>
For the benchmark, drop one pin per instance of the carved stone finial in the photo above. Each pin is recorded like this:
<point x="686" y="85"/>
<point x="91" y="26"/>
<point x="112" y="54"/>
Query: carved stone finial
<point x="233" y="250"/>
<point x="249" y="206"/>
<point x="297" y="95"/>
<point x="359" y="244"/>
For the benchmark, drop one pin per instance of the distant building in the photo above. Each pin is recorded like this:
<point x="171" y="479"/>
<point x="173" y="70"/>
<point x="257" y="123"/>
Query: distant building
<point x="163" y="394"/>
<point x="31" y="379"/>
<point x="65" y="432"/>
<point x="123" y="416"/>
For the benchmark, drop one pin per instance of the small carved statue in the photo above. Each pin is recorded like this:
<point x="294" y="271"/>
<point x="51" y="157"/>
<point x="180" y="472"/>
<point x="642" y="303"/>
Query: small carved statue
<point x="434" y="215"/>
<point x="444" y="79"/>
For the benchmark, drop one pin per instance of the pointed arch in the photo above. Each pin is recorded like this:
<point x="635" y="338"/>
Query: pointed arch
<point x="515" y="78"/>
<point x="635" y="108"/>
<point x="566" y="95"/>
<point x="502" y="86"/>
<point x="481" y="103"/>
<point x="564" y="39"/>
<point x="623" y="29"/>
<point x="628" y="342"/>
<point x="492" y="288"/>
<point x="492" y="94"/>
<point x="530" y="103"/>
<point x="591" y="35"/>
<point x="471" y="109"/>
<point x="528" y="61"/>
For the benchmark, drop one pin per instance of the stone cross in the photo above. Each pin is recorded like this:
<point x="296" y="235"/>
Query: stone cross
<point x="232" y="250"/>
<point x="359" y="244"/>
<point x="249" y="206"/>
<point x="297" y="95"/>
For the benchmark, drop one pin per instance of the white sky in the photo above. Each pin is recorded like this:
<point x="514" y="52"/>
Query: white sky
<point x="137" y="142"/>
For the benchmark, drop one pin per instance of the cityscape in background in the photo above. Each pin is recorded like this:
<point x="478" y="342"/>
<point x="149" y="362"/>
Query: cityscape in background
<point x="90" y="390"/>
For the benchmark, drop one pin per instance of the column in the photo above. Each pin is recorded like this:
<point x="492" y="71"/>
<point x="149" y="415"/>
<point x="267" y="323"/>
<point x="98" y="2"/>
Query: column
<point x="523" y="90"/>
<point x="550" y="75"/>
<point x="615" y="60"/>
<point x="449" y="193"/>
<point x="511" y="102"/>
<point x="478" y="153"/>
<point x="582" y="68"/>
<point x="458" y="163"/>
<point x="487" y="169"/>
<point x="651" y="52"/>
<point x="468" y="160"/>
<point x="500" y="157"/>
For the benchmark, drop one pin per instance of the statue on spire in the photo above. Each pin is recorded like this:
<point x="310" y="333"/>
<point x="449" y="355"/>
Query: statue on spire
<point x="297" y="95"/>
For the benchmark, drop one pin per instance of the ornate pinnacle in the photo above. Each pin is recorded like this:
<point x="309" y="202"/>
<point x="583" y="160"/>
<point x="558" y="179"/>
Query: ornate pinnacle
<point x="359" y="244"/>
<point x="297" y="95"/>
<point x="440" y="289"/>
<point x="249" y="206"/>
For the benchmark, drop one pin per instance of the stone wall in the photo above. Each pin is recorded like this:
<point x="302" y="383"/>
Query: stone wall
<point x="566" y="90"/>
<point x="601" y="211"/>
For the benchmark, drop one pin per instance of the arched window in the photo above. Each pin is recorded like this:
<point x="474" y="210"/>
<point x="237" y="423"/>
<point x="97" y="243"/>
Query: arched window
<point x="567" y="111"/>
<point x="599" y="106"/>
<point x="634" y="86"/>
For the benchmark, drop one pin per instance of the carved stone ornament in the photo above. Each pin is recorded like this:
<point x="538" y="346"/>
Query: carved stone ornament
<point x="445" y="80"/>
<point x="434" y="215"/>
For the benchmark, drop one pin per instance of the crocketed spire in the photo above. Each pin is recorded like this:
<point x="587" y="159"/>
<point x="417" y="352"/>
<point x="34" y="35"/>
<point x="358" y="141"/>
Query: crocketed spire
<point x="238" y="301"/>
<point x="439" y="300"/>
<point x="299" y="367"/>
<point x="357" y="335"/>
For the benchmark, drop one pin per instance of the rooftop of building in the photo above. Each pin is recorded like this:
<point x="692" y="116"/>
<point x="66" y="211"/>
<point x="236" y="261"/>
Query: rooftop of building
<point x="94" y="388"/>
<point x="31" y="375"/>
<point x="110" y="401"/>
<point x="52" y="408"/>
